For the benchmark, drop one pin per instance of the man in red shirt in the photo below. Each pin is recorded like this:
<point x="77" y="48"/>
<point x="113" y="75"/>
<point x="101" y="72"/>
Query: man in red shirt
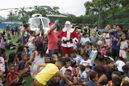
<point x="53" y="39"/>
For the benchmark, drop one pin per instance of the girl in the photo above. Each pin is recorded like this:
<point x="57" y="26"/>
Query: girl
<point x="123" y="46"/>
<point x="93" y="54"/>
<point x="37" y="61"/>
<point x="103" y="48"/>
<point x="31" y="46"/>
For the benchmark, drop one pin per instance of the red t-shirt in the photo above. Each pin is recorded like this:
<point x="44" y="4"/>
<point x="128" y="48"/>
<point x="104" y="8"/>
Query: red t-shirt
<point x="10" y="77"/>
<point x="53" y="40"/>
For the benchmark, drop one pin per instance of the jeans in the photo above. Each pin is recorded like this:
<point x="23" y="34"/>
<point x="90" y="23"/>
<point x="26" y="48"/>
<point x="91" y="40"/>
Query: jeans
<point x="51" y="52"/>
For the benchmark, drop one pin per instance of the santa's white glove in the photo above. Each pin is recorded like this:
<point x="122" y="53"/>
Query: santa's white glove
<point x="64" y="39"/>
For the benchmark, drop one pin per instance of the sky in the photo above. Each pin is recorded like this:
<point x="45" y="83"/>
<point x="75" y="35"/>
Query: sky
<point x="75" y="7"/>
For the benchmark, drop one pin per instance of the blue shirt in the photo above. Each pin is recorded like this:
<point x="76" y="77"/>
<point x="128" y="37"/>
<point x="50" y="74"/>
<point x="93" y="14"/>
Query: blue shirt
<point x="84" y="40"/>
<point x="114" y="42"/>
<point x="91" y="83"/>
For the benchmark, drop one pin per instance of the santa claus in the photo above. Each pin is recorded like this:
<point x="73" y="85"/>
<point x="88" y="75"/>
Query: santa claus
<point x="68" y="39"/>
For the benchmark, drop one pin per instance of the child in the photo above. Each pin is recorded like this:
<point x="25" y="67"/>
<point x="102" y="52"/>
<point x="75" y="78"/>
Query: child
<point x="86" y="61"/>
<point x="93" y="54"/>
<point x="68" y="75"/>
<point x="103" y="48"/>
<point x="92" y="79"/>
<point x="36" y="60"/>
<point x="47" y="73"/>
<point x="37" y="66"/>
<point x="67" y="65"/>
<point x="12" y="77"/>
<point x="30" y="43"/>
<point x="123" y="47"/>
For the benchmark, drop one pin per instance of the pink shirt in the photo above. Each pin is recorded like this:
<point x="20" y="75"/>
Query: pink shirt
<point x="53" y="40"/>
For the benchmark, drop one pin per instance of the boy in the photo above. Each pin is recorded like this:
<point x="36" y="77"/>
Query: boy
<point x="92" y="79"/>
<point x="47" y="73"/>
<point x="68" y="75"/>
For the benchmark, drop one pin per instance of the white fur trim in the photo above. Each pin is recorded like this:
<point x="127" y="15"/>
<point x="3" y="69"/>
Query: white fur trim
<point x="68" y="30"/>
<point x="75" y="40"/>
<point x="68" y="45"/>
<point x="64" y="39"/>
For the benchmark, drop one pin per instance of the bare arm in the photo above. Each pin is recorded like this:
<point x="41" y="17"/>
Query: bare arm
<point x="23" y="37"/>
<point x="53" y="27"/>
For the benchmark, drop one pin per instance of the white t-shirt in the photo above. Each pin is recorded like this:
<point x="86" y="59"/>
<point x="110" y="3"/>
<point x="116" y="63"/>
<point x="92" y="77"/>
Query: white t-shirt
<point x="83" y="75"/>
<point x="63" y="69"/>
<point x="84" y="40"/>
<point x="123" y="45"/>
<point x="119" y="65"/>
<point x="77" y="59"/>
<point x="87" y="62"/>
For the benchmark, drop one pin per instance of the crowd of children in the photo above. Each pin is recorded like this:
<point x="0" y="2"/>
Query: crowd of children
<point x="100" y="59"/>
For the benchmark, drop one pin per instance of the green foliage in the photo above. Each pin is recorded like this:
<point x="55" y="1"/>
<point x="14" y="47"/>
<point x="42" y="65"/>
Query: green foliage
<point x="107" y="12"/>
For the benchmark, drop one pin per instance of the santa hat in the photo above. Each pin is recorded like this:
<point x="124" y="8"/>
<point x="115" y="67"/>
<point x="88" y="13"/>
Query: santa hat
<point x="68" y="22"/>
<point x="51" y="23"/>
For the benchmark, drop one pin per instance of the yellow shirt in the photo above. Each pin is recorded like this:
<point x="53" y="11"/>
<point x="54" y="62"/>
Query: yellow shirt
<point x="46" y="73"/>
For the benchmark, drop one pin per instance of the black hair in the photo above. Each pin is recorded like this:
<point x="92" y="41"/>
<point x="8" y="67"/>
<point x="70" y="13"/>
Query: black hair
<point x="120" y="26"/>
<point x="92" y="75"/>
<point x="61" y="61"/>
<point x="99" y="70"/>
<point x="66" y="60"/>
<point x="39" y="47"/>
<point x="68" y="70"/>
<point x="11" y="57"/>
<point x="125" y="68"/>
<point x="108" y="61"/>
<point x="117" y="73"/>
<point x="2" y="51"/>
<point x="116" y="81"/>
<point x="25" y="26"/>
<point x="73" y="64"/>
<point x="82" y="68"/>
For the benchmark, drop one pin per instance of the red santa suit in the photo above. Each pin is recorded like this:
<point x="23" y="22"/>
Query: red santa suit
<point x="68" y="39"/>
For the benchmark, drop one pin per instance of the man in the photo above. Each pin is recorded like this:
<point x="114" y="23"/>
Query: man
<point x="24" y="33"/>
<point x="53" y="39"/>
<point x="47" y="73"/>
<point x="115" y="41"/>
<point x="68" y="39"/>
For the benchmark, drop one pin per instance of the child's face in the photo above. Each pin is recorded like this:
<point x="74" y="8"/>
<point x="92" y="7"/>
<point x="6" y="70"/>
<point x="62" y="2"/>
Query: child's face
<point x="67" y="74"/>
<point x="123" y="37"/>
<point x="88" y="70"/>
<point x="94" y="48"/>
<point x="12" y="69"/>
<point x="68" y="64"/>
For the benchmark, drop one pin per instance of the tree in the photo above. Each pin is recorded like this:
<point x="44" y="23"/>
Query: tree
<point x="12" y="16"/>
